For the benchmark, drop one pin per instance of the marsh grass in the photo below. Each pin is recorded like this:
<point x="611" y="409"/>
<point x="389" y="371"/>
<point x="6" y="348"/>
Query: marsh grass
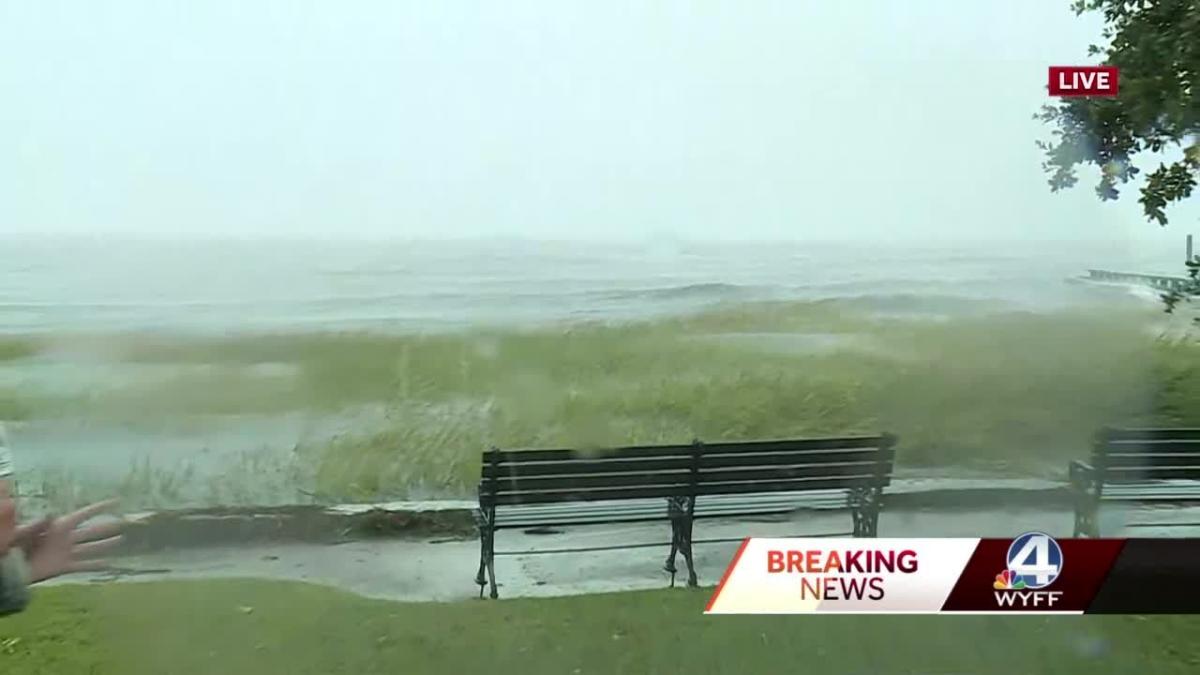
<point x="1020" y="394"/>
<point x="14" y="347"/>
<point x="1016" y="392"/>
<point x="253" y="478"/>
<point x="13" y="406"/>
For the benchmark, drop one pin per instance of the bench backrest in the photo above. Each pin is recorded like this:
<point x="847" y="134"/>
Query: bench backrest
<point x="547" y="476"/>
<point x="1139" y="455"/>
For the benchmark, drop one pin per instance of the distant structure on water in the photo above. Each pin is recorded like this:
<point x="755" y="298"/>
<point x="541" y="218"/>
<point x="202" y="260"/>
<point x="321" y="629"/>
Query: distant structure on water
<point x="1157" y="281"/>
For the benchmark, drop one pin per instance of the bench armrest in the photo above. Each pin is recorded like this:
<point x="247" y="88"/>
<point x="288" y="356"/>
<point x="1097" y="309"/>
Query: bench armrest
<point x="1081" y="474"/>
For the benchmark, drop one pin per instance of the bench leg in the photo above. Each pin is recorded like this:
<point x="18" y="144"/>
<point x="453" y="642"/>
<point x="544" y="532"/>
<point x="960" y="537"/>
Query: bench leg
<point x="1085" y="523"/>
<point x="1085" y="489"/>
<point x="483" y="552"/>
<point x="1087" y="507"/>
<point x="864" y="505"/>
<point x="680" y="510"/>
<point x="487" y="550"/>
<point x="681" y="542"/>
<point x="686" y="547"/>
<point x="675" y="511"/>
<point x="669" y="566"/>
<point x="491" y="568"/>
<point x="479" y="578"/>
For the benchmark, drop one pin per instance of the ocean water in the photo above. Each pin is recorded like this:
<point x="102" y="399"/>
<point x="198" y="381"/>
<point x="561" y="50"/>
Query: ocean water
<point x="116" y="285"/>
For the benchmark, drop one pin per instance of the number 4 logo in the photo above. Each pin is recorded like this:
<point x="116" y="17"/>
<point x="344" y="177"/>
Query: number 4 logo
<point x="1036" y="559"/>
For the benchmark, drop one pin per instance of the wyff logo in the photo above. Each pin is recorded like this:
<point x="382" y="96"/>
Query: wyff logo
<point x="1034" y="561"/>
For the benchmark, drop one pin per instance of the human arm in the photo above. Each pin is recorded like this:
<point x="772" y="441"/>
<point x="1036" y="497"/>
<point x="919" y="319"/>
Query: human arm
<point x="14" y="571"/>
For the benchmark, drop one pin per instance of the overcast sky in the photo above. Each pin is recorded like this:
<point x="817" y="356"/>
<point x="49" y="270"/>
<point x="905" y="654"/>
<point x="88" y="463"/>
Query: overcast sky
<point x="707" y="120"/>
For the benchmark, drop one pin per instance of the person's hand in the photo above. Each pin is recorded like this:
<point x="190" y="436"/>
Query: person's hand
<point x="8" y="524"/>
<point x="57" y="546"/>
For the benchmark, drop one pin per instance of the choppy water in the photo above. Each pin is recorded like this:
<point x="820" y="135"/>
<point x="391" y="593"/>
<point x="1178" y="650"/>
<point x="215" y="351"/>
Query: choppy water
<point x="53" y="285"/>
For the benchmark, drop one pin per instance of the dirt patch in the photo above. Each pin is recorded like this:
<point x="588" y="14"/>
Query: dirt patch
<point x="300" y="523"/>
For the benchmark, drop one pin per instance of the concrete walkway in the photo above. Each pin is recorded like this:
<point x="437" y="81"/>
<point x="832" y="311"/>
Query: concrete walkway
<point x="432" y="569"/>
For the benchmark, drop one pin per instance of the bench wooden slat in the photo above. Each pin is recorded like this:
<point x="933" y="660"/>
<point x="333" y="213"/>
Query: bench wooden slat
<point x="583" y="495"/>
<point x="596" y="480"/>
<point x="813" y="457"/>
<point x="1148" y="474"/>
<point x="1150" y="434"/>
<point x="838" y="483"/>
<point x="860" y="470"/>
<point x="1177" y="449"/>
<point x="706" y="460"/>
<point x="1133" y="456"/>
<point x="656" y="451"/>
<point x="640" y="510"/>
<point x="1161" y="446"/>
<point x="524" y="483"/>
<point x="799" y="445"/>
<point x="562" y="455"/>
<point x="1145" y="460"/>
<point x="587" y="466"/>
<point x="1161" y="489"/>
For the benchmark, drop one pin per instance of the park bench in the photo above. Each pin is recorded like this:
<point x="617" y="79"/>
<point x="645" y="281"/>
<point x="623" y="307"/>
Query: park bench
<point x="543" y="488"/>
<point x="1137" y="466"/>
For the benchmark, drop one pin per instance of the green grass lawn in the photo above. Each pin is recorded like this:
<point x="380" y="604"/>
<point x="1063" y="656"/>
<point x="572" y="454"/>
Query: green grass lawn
<point x="260" y="628"/>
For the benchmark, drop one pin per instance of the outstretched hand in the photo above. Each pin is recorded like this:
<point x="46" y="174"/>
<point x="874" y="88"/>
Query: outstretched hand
<point x="8" y="524"/>
<point x="57" y="546"/>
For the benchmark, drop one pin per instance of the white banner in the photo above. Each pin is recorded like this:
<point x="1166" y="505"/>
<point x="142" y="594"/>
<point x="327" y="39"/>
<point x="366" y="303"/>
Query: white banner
<point x="799" y="576"/>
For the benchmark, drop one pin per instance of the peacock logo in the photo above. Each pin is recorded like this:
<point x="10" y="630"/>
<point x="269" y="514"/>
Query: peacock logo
<point x="1008" y="580"/>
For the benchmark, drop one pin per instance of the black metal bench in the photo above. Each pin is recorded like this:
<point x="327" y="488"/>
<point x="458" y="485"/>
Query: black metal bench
<point x="630" y="484"/>
<point x="1137" y="466"/>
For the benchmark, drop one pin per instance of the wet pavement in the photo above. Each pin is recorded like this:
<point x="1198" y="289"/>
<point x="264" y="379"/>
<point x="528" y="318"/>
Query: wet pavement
<point x="444" y="569"/>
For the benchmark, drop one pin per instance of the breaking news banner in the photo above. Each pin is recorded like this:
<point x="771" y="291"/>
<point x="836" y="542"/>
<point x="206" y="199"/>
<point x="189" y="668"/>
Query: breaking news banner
<point x="1033" y="573"/>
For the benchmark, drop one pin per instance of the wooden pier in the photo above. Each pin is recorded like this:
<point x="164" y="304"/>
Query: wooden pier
<point x="1162" y="283"/>
<point x="1157" y="281"/>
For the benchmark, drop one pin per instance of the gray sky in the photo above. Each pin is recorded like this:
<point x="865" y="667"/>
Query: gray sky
<point x="710" y="120"/>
